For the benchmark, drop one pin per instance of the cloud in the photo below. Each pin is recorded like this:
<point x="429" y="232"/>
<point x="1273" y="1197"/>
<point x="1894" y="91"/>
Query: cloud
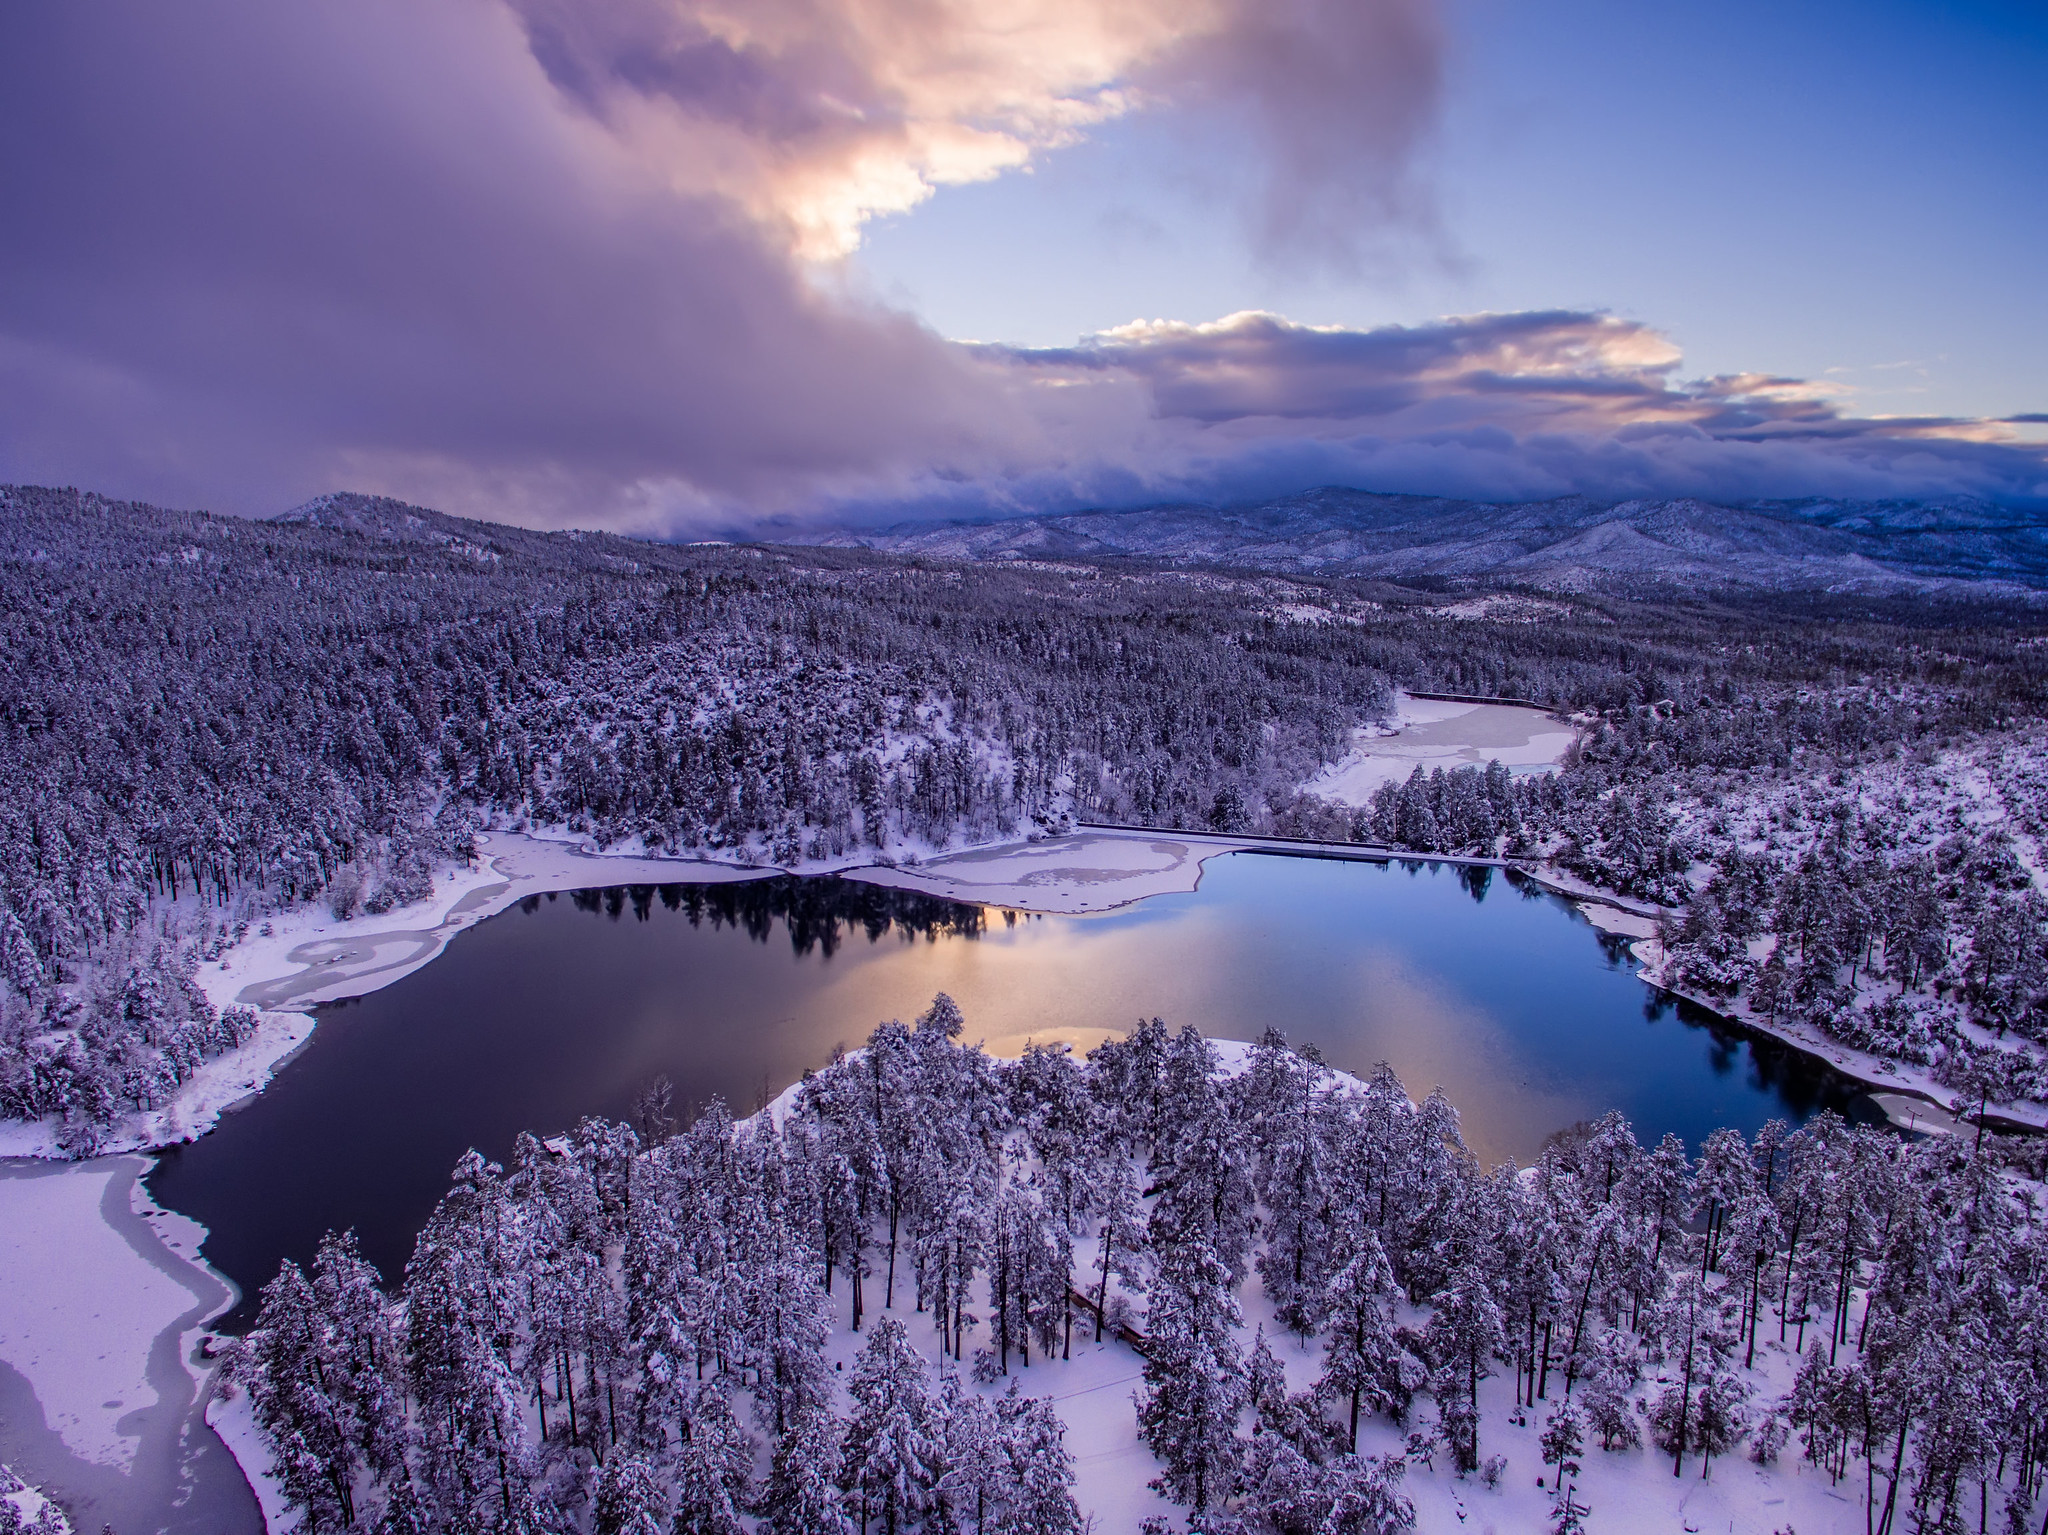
<point x="556" y="261"/>
<point x="250" y="247"/>
<point x="1497" y="406"/>
<point x="1338" y="98"/>
<point x="554" y="253"/>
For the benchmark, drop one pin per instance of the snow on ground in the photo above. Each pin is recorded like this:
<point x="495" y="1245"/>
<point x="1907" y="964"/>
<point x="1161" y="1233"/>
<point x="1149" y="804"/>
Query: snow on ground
<point x="1629" y="1491"/>
<point x="79" y="1307"/>
<point x="233" y="1416"/>
<point x="1084" y="872"/>
<point x="102" y="1302"/>
<point x="28" y="1503"/>
<point x="309" y="957"/>
<point x="1436" y="733"/>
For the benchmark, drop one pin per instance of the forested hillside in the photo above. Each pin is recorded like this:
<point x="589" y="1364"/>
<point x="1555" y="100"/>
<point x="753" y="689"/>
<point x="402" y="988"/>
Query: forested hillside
<point x="206" y="719"/>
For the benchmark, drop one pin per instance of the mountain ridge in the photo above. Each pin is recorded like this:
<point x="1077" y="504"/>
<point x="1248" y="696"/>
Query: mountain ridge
<point x="1950" y="546"/>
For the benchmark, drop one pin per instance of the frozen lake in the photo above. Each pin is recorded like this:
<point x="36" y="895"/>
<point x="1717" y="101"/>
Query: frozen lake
<point x="571" y="1005"/>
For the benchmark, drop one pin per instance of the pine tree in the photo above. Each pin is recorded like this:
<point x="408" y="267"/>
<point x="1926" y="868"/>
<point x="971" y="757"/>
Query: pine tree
<point x="1696" y="1334"/>
<point x="1562" y="1441"/>
<point x="1282" y="1096"/>
<point x="1604" y="1393"/>
<point x="1194" y="1374"/>
<point x="704" y="1501"/>
<point x="1040" y="1498"/>
<point x="1362" y="1362"/>
<point x="19" y="963"/>
<point x="630" y="1500"/>
<point x="1568" y="1514"/>
<point x="802" y="1496"/>
<point x="460" y="1310"/>
<point x="788" y="1323"/>
<point x="310" y="1429"/>
<point x="893" y="1446"/>
<point x="1723" y="1416"/>
<point x="1120" y="1231"/>
<point x="1199" y="1165"/>
<point x="1466" y="1329"/>
<point x="976" y="1482"/>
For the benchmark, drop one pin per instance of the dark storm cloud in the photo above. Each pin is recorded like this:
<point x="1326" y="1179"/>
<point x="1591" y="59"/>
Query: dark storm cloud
<point x="299" y="236"/>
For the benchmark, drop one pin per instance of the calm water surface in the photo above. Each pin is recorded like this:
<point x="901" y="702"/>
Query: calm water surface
<point x="571" y="1005"/>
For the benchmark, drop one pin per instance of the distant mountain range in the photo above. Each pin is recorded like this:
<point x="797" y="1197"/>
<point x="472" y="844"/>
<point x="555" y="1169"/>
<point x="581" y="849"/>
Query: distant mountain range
<point x="1954" y="547"/>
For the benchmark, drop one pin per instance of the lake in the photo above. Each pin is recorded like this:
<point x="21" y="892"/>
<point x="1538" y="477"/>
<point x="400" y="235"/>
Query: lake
<point x="1469" y="979"/>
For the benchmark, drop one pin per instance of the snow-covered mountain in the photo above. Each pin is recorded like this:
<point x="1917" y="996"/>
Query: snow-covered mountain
<point x="1570" y="544"/>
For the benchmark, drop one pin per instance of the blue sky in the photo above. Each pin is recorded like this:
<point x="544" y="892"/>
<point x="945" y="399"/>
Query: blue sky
<point x="1856" y="193"/>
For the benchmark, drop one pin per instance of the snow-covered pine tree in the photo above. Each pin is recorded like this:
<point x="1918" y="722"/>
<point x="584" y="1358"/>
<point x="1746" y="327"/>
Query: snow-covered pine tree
<point x="1466" y="1329"/>
<point x="1363" y="1364"/>
<point x="630" y="1499"/>
<point x="1281" y="1102"/>
<point x="1040" y="1495"/>
<point x="893" y="1451"/>
<point x="1121" y="1230"/>
<point x="1562" y="1441"/>
<point x="1695" y="1328"/>
<point x="1199" y="1162"/>
<point x="802" y="1496"/>
<point x="1194" y="1372"/>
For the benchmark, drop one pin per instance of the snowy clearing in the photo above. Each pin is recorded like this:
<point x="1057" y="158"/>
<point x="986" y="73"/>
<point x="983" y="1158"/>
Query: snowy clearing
<point x="1434" y="733"/>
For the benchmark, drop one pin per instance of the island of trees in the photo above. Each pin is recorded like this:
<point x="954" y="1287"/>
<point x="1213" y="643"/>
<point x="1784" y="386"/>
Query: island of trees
<point x="628" y="1329"/>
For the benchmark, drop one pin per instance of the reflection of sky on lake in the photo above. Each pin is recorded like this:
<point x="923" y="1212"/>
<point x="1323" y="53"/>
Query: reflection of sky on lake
<point x="570" y="1006"/>
<point x="1507" y="1003"/>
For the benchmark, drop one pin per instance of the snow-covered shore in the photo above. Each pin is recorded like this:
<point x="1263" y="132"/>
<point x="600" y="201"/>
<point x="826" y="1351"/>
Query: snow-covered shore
<point x="1086" y="871"/>
<point x="309" y="957"/>
<point x="1908" y="1094"/>
<point x="103" y="1303"/>
<point x="104" y="1298"/>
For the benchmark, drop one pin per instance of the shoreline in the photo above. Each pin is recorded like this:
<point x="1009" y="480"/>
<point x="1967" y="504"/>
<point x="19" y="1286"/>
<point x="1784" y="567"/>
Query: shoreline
<point x="1093" y="869"/>
<point x="103" y="1391"/>
<point x="1635" y="920"/>
<point x="1906" y="1083"/>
